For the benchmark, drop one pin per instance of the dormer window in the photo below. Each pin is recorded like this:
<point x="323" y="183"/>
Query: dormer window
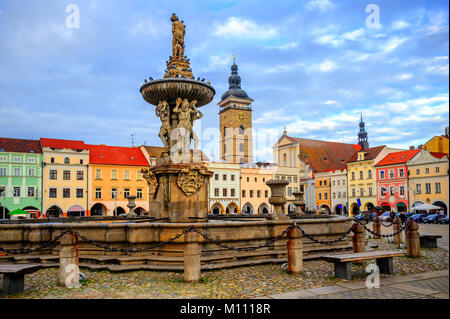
<point x="66" y="160"/>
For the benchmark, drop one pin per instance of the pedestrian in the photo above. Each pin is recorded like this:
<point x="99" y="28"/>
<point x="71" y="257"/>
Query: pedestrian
<point x="392" y="215"/>
<point x="403" y="217"/>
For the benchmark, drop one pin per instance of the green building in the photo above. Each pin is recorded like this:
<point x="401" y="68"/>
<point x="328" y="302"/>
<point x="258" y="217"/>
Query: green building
<point x="20" y="176"/>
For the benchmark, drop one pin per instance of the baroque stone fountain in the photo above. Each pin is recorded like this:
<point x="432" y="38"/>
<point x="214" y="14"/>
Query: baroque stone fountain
<point x="178" y="184"/>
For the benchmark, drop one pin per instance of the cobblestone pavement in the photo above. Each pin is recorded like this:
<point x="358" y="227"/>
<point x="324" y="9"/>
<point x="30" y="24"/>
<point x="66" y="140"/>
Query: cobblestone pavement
<point x="241" y="282"/>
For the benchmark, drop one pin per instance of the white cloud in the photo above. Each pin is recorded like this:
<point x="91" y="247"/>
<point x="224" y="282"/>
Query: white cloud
<point x="404" y="76"/>
<point x="286" y="46"/>
<point x="245" y="29"/>
<point x="322" y="5"/>
<point x="353" y="35"/>
<point x="399" y="24"/>
<point x="330" y="102"/>
<point x="392" y="44"/>
<point x="218" y="62"/>
<point x="325" y="66"/>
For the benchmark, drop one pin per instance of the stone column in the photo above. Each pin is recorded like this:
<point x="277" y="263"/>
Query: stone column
<point x="192" y="257"/>
<point x="396" y="225"/>
<point x="299" y="203"/>
<point x="413" y="239"/>
<point x="277" y="198"/>
<point x="376" y="226"/>
<point x="359" y="238"/>
<point x="68" y="260"/>
<point x="295" y="251"/>
<point x="131" y="206"/>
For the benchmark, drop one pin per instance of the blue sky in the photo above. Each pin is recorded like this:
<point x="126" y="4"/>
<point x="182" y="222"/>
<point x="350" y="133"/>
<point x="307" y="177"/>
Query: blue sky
<point x="311" y="66"/>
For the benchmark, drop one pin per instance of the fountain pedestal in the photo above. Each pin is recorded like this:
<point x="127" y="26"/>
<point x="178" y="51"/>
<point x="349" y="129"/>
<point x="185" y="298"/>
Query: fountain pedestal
<point x="277" y="198"/>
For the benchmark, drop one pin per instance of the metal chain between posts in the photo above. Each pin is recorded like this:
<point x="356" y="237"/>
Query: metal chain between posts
<point x="386" y="225"/>
<point x="402" y="228"/>
<point x="40" y="247"/>
<point x="325" y="242"/>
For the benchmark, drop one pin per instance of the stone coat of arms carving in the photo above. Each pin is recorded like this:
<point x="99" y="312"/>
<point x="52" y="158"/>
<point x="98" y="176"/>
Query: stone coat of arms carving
<point x="191" y="179"/>
<point x="152" y="181"/>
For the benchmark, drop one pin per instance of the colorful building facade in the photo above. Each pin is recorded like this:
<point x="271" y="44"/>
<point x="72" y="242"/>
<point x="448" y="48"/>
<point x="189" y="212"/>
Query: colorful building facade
<point x="323" y="200"/>
<point x="338" y="191"/>
<point x="437" y="144"/>
<point x="428" y="179"/>
<point x="20" y="176"/>
<point x="65" y="178"/>
<point x="254" y="191"/>
<point x="114" y="174"/>
<point x="392" y="181"/>
<point x="224" y="188"/>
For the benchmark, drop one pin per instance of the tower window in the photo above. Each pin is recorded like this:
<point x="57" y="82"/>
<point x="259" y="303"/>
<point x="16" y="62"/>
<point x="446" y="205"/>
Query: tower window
<point x="241" y="129"/>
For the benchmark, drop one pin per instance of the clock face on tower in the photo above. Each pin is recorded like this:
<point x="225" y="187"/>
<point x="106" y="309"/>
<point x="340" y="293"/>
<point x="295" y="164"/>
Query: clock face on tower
<point x="241" y="117"/>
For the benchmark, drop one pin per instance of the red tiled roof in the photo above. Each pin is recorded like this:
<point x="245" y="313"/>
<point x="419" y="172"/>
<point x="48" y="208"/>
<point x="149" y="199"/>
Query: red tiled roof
<point x="116" y="155"/>
<point x="63" y="144"/>
<point x="398" y="157"/>
<point x="371" y="153"/>
<point x="439" y="155"/>
<point x="20" y="145"/>
<point x="323" y="155"/>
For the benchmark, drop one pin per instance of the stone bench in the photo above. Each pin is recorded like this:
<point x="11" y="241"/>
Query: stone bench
<point x="343" y="262"/>
<point x="13" y="276"/>
<point x="429" y="240"/>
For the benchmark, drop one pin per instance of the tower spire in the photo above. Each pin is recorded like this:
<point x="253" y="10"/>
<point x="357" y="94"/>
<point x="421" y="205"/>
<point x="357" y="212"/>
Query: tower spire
<point x="362" y="135"/>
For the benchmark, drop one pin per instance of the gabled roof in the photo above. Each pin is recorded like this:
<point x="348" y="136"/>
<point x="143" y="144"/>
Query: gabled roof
<point x="439" y="155"/>
<point x="20" y="145"/>
<point x="398" y="157"/>
<point x="371" y="153"/>
<point x="63" y="144"/>
<point x="324" y="155"/>
<point x="116" y="155"/>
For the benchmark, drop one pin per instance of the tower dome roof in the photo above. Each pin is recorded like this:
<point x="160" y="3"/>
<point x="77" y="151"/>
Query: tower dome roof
<point x="234" y="81"/>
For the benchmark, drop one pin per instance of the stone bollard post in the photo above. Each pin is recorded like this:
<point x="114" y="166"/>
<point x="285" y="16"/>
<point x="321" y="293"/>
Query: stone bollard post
<point x="413" y="239"/>
<point x="295" y="251"/>
<point x="192" y="255"/>
<point x="396" y="228"/>
<point x="359" y="238"/>
<point x="376" y="226"/>
<point x="68" y="260"/>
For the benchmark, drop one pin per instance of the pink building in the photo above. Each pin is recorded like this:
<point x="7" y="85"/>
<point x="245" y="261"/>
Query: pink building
<point x="392" y="181"/>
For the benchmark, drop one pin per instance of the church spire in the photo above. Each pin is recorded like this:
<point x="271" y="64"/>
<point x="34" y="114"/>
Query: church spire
<point x="362" y="135"/>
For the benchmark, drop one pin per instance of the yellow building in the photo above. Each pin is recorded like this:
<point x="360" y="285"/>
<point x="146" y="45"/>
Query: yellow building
<point x="323" y="196"/>
<point x="254" y="191"/>
<point x="64" y="178"/>
<point x="428" y="179"/>
<point x="437" y="144"/>
<point x="361" y="178"/>
<point x="115" y="174"/>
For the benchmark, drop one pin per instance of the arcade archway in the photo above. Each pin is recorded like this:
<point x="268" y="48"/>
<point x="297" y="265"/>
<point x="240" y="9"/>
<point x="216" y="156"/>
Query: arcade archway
<point x="264" y="208"/>
<point x="53" y="212"/>
<point x="441" y="204"/>
<point x="98" y="210"/>
<point x="217" y="209"/>
<point x="248" y="208"/>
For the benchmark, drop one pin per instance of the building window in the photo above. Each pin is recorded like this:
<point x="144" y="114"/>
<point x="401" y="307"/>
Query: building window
<point x="320" y="183"/>
<point x="361" y="175"/>
<point x="289" y="179"/>
<point x="353" y="192"/>
<point x="343" y="195"/>
<point x="241" y="147"/>
<point x="370" y="191"/>
<point x="437" y="169"/>
<point x="232" y="177"/>
<point x="52" y="192"/>
<point x="216" y="192"/>
<point x="52" y="159"/>
<point x="216" y="177"/>
<point x="16" y="191"/>
<point x="224" y="192"/>
<point x="258" y="193"/>
<point x="369" y="174"/>
<point x="80" y="175"/>
<point x="438" y="188"/>
<point x="98" y="193"/>
<point x="325" y="196"/>
<point x="16" y="171"/>
<point x="232" y="192"/>
<point x="417" y="171"/>
<point x="79" y="193"/>
<point x="126" y="193"/>
<point x="353" y="176"/>
<point x="402" y="190"/>
<point x="243" y="193"/>
<point x="241" y="129"/>
<point x="427" y="188"/>
<point x="266" y="193"/>
<point x="361" y="192"/>
<point x="66" y="192"/>
<point x="401" y="172"/>
<point x="98" y="173"/>
<point x="139" y="193"/>
<point x="392" y="191"/>
<point x="391" y="173"/>
<point x="334" y="195"/>
<point x="31" y="172"/>
<point x="224" y="177"/>
<point x="251" y="193"/>
<point x="3" y="158"/>
<point x="256" y="179"/>
<point x="31" y="192"/>
<point x="81" y="161"/>
<point x="16" y="159"/>
<point x="66" y="160"/>
<point x="381" y="174"/>
<point x="320" y="196"/>
<point x="126" y="175"/>
<point x="3" y="171"/>
<point x="66" y="175"/>
<point x="31" y="160"/>
<point x="53" y="174"/>
<point x="418" y="188"/>
<point x="427" y="170"/>
<point x="139" y="175"/>
<point x="114" y="174"/>
<point x="114" y="193"/>
<point x="289" y="191"/>
<point x="248" y="179"/>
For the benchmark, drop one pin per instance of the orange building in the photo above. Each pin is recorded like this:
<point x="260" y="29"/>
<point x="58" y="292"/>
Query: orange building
<point x="115" y="174"/>
<point x="323" y="198"/>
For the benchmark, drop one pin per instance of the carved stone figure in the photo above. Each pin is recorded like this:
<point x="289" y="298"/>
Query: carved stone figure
<point x="187" y="114"/>
<point x="178" y="31"/>
<point x="152" y="181"/>
<point x="191" y="179"/>
<point x="163" y="112"/>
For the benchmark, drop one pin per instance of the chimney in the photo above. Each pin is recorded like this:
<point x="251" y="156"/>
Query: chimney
<point x="411" y="147"/>
<point x="420" y="146"/>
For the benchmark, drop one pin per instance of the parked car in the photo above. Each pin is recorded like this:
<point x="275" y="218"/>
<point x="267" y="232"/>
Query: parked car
<point x="444" y="220"/>
<point x="372" y="216"/>
<point x="433" y="219"/>
<point x="385" y="217"/>
<point x="409" y="214"/>
<point x="418" y="218"/>
<point x="360" y="217"/>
